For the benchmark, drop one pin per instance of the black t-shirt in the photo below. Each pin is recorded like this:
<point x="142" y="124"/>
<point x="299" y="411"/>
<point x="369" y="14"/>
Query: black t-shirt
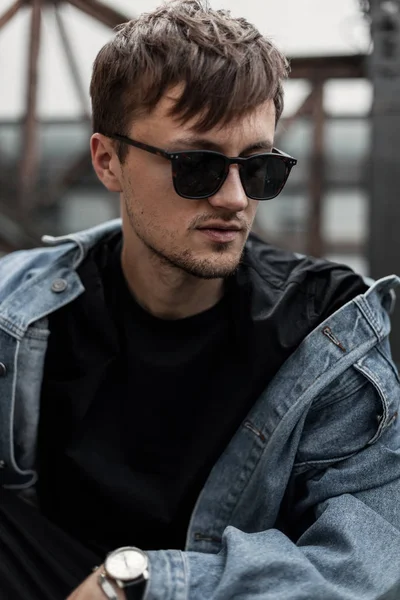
<point x="136" y="409"/>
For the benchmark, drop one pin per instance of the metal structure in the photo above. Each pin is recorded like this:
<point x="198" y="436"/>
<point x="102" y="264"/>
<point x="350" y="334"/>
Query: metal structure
<point x="384" y="71"/>
<point x="18" y="214"/>
<point x="317" y="71"/>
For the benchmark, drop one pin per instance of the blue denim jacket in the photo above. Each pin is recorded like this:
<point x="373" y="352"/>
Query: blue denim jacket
<point x="320" y="450"/>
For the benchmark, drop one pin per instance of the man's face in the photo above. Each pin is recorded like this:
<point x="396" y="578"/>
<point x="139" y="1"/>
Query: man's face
<point x="204" y="238"/>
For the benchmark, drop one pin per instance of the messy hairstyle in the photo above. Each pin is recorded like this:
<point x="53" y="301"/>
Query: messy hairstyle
<point x="226" y="66"/>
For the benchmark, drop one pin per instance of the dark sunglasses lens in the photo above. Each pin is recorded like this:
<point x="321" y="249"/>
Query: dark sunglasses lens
<point x="263" y="177"/>
<point x="198" y="174"/>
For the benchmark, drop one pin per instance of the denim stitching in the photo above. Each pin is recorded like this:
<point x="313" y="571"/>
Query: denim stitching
<point x="364" y="370"/>
<point x="369" y="316"/>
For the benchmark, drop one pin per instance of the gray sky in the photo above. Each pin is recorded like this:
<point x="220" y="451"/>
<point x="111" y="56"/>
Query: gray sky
<point x="299" y="27"/>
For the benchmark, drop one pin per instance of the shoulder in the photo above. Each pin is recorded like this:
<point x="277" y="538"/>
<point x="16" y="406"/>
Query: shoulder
<point x="67" y="252"/>
<point x="24" y="275"/>
<point x="19" y="267"/>
<point x="325" y="285"/>
<point x="281" y="267"/>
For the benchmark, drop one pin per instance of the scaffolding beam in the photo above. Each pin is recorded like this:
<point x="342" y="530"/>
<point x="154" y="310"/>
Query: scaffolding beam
<point x="105" y="14"/>
<point x="316" y="178"/>
<point x="329" y="67"/>
<point x="9" y="14"/>
<point x="29" y="160"/>
<point x="73" y="65"/>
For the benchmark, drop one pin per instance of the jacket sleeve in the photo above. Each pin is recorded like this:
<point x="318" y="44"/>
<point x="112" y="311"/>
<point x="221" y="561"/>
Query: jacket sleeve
<point x="341" y="538"/>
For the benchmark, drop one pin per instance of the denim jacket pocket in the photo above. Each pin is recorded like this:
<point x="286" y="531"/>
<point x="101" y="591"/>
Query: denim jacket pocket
<point x="378" y="368"/>
<point x="353" y="412"/>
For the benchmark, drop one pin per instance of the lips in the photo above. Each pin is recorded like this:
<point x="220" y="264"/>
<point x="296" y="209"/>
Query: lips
<point x="220" y="235"/>
<point x="222" y="226"/>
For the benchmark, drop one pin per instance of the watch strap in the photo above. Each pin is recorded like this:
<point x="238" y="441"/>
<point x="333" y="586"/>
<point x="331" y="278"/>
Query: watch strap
<point x="107" y="587"/>
<point x="135" y="591"/>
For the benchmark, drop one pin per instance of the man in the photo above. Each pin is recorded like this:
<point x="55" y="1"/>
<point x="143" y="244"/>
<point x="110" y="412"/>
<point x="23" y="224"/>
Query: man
<point x="194" y="412"/>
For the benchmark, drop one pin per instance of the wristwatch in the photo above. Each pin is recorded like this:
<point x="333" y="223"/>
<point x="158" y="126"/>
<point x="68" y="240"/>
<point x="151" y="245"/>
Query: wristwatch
<point x="128" y="568"/>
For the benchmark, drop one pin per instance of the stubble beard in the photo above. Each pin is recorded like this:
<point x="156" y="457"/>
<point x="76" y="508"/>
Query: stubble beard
<point x="201" y="268"/>
<point x="186" y="261"/>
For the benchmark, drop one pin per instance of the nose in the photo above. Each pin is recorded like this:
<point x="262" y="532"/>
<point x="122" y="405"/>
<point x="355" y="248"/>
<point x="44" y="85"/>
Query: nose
<point x="231" y="196"/>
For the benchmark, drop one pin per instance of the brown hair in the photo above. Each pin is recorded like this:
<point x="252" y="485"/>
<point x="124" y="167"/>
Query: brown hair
<point x="228" y="68"/>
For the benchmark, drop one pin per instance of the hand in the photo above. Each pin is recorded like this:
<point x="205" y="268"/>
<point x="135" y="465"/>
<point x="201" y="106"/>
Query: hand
<point x="90" y="589"/>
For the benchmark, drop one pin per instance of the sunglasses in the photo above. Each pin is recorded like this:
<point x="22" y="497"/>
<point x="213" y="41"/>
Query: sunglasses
<point x="199" y="174"/>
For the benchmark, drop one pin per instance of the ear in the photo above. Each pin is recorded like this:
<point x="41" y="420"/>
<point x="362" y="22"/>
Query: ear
<point x="105" y="162"/>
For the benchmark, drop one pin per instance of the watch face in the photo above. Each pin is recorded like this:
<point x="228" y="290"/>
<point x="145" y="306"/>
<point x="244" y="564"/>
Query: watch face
<point x="126" y="564"/>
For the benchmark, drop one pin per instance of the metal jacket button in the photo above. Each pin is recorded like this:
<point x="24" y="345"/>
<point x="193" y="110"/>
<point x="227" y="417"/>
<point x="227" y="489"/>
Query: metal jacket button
<point x="59" y="285"/>
<point x="3" y="370"/>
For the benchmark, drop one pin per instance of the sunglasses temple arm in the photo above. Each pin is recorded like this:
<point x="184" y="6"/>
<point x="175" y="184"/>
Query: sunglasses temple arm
<point x="281" y="153"/>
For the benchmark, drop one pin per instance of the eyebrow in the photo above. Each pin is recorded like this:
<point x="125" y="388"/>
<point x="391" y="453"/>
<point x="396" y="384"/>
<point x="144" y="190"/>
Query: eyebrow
<point x="204" y="144"/>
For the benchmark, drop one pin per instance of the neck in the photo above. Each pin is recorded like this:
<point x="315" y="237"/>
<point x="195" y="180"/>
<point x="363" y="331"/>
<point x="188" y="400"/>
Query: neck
<point x="164" y="290"/>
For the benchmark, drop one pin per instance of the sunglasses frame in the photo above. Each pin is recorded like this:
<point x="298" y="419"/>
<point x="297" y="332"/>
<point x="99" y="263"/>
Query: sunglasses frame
<point x="288" y="160"/>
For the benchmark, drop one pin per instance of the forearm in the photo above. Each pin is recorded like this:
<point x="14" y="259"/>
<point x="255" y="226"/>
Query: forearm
<point x="349" y="553"/>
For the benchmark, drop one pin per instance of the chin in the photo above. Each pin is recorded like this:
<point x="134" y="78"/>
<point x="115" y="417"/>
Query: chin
<point x="218" y="263"/>
<point x="213" y="267"/>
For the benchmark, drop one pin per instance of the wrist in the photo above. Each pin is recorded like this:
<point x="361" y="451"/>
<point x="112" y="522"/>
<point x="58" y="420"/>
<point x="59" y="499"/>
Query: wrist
<point x="126" y="569"/>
